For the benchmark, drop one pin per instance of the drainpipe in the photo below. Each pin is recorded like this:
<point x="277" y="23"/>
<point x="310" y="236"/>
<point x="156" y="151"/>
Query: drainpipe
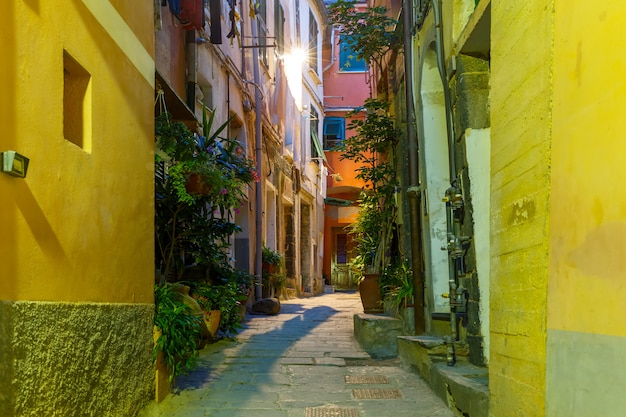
<point x="258" y="264"/>
<point x="413" y="190"/>
<point x="332" y="49"/>
<point x="453" y="199"/>
<point x="191" y="62"/>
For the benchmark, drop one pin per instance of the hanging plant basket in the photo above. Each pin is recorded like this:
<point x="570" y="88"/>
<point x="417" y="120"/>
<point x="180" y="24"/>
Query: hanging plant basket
<point x="196" y="185"/>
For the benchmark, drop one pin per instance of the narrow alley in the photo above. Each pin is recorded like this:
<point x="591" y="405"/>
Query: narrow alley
<point x="302" y="362"/>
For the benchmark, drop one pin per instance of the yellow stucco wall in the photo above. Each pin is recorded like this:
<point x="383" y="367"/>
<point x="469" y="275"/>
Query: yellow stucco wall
<point x="586" y="320"/>
<point x="588" y="245"/>
<point x="76" y="235"/>
<point x="80" y="226"/>
<point x="521" y="54"/>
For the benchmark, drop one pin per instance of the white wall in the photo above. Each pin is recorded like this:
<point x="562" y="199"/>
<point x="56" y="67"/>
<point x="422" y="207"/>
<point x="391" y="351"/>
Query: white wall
<point x="435" y="178"/>
<point x="478" y="151"/>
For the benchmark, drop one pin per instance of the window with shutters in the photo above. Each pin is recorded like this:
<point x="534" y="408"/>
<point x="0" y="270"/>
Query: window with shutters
<point x="334" y="132"/>
<point x="313" y="46"/>
<point x="348" y="62"/>
<point x="314" y="130"/>
<point x="279" y="27"/>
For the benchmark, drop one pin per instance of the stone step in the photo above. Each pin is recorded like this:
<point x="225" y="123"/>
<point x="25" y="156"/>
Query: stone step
<point x="377" y="334"/>
<point x="464" y="387"/>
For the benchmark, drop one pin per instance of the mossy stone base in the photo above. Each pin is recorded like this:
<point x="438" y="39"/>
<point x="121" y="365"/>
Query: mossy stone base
<point x="75" y="359"/>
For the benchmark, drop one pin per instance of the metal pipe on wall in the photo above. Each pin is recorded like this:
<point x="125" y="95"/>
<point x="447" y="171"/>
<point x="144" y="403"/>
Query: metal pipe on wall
<point x="441" y="64"/>
<point x="258" y="148"/>
<point x="413" y="191"/>
<point x="191" y="48"/>
<point x="453" y="198"/>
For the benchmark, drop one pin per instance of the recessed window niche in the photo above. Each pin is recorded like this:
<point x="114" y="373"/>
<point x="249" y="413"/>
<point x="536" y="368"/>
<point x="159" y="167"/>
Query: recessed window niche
<point x="76" y="103"/>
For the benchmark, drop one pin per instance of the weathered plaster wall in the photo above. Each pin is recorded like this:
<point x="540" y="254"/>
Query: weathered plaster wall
<point x="586" y="321"/>
<point x="435" y="175"/>
<point x="469" y="90"/>
<point x="69" y="359"/>
<point x="521" y="76"/>
<point x="477" y="145"/>
<point x="79" y="227"/>
<point x="76" y="254"/>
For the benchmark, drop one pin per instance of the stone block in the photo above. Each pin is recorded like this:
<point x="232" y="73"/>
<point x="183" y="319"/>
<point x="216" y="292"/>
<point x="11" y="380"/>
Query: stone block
<point x="464" y="387"/>
<point x="419" y="352"/>
<point x="377" y="335"/>
<point x="471" y="110"/>
<point x="476" y="353"/>
<point x="473" y="81"/>
<point x="270" y="306"/>
<point x="468" y="63"/>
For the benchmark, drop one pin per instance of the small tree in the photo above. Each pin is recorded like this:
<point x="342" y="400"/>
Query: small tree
<point x="369" y="32"/>
<point x="189" y="224"/>
<point x="373" y="147"/>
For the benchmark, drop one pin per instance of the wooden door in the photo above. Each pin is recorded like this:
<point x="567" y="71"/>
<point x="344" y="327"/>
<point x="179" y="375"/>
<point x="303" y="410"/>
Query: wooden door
<point x="340" y="269"/>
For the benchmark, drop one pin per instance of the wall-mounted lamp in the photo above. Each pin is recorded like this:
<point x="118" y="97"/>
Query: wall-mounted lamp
<point x="14" y="164"/>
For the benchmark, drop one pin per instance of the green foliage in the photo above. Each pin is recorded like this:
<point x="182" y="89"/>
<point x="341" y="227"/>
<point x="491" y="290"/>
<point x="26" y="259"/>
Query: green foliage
<point x="226" y="292"/>
<point x="230" y="321"/>
<point x="190" y="227"/>
<point x="369" y="31"/>
<point x="373" y="147"/>
<point x="180" y="331"/>
<point x="270" y="256"/>
<point x="274" y="279"/>
<point x="397" y="280"/>
<point x="209" y="297"/>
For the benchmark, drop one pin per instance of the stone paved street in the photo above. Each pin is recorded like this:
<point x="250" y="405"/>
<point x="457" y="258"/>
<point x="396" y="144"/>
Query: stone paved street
<point x="302" y="363"/>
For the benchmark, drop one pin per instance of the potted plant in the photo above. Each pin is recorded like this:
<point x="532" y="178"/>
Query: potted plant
<point x="271" y="259"/>
<point x="194" y="227"/>
<point x="209" y="299"/>
<point x="396" y="282"/>
<point x="274" y="281"/>
<point x="179" y="332"/>
<point x="372" y="147"/>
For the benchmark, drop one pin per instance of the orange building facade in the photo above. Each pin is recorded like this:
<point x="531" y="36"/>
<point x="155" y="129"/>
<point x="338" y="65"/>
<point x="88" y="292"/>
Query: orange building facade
<point x="346" y="89"/>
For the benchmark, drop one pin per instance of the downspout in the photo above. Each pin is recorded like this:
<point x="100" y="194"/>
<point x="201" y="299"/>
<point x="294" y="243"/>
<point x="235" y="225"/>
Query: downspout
<point x="413" y="190"/>
<point x="191" y="63"/>
<point x="453" y="199"/>
<point x="441" y="64"/>
<point x="332" y="49"/>
<point x="258" y="146"/>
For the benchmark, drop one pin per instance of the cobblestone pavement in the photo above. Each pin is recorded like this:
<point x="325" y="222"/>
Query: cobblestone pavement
<point x="303" y="362"/>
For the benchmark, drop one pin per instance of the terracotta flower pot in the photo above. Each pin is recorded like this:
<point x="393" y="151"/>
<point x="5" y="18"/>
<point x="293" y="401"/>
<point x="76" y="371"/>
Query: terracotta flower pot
<point x="212" y="321"/>
<point x="370" y="294"/>
<point x="195" y="185"/>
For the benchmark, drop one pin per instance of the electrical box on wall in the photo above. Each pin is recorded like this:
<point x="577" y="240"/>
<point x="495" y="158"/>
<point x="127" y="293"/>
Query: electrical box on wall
<point x="14" y="164"/>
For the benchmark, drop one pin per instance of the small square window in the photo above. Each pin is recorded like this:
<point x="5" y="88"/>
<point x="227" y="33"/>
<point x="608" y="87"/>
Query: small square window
<point x="76" y="103"/>
<point x="334" y="132"/>
<point x="348" y="62"/>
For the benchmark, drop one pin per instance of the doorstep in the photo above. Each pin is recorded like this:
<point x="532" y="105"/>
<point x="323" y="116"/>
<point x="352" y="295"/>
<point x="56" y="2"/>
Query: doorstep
<point x="464" y="387"/>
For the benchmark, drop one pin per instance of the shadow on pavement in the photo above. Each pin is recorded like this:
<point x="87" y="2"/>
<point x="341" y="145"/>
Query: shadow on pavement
<point x="256" y="354"/>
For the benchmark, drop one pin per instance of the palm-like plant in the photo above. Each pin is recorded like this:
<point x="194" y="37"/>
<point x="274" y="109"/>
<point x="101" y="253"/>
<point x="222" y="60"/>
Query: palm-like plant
<point x="187" y="224"/>
<point x="373" y="147"/>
